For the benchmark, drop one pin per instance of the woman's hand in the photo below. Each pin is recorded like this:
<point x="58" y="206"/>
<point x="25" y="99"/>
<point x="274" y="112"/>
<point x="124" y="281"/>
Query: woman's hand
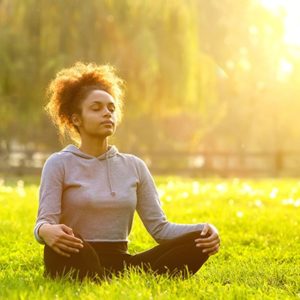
<point x="60" y="238"/>
<point x="210" y="243"/>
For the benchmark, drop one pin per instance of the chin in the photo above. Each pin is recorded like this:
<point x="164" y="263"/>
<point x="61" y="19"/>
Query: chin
<point x="108" y="133"/>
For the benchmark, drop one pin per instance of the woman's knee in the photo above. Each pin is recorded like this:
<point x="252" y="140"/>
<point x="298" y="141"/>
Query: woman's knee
<point x="85" y="263"/>
<point x="188" y="237"/>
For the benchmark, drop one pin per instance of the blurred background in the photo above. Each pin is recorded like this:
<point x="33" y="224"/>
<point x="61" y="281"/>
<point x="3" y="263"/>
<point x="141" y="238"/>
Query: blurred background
<point x="212" y="87"/>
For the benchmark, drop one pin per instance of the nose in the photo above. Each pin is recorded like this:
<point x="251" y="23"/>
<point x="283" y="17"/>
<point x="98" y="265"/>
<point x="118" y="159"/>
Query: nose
<point x="107" y="112"/>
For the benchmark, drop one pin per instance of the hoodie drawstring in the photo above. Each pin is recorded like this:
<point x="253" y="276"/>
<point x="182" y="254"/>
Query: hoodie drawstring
<point x="113" y="193"/>
<point x="110" y="153"/>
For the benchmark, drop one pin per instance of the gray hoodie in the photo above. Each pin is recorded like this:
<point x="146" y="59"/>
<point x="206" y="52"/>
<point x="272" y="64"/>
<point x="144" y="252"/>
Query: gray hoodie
<point x="97" y="196"/>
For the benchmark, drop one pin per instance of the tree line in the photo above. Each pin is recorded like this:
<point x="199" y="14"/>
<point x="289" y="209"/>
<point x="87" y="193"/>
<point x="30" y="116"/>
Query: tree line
<point x="199" y="74"/>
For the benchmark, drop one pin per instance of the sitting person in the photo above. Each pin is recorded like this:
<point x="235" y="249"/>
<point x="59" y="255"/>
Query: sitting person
<point x="89" y="192"/>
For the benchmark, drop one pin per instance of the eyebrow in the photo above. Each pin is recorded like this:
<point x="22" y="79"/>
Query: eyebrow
<point x="100" y="102"/>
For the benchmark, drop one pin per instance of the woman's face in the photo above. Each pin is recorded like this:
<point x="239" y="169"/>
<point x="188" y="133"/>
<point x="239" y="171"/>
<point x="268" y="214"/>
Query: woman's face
<point x="98" y="116"/>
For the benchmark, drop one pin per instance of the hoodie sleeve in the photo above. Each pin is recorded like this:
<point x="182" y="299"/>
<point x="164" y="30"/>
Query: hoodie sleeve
<point x="150" y="210"/>
<point x="50" y="194"/>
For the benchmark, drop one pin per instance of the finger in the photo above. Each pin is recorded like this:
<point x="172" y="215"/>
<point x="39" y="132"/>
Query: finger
<point x="67" y="249"/>
<point x="204" y="230"/>
<point x="211" y="238"/>
<point x="71" y="244"/>
<point x="67" y="229"/>
<point x="207" y="245"/>
<point x="72" y="238"/>
<point x="60" y="252"/>
<point x="211" y="250"/>
<point x="212" y="253"/>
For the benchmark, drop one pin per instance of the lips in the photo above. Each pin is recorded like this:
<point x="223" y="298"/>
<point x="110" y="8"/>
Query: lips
<point x="107" y="123"/>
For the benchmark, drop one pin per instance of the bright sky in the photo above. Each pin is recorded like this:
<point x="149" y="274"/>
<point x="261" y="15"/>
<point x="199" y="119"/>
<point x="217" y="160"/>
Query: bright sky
<point x="292" y="18"/>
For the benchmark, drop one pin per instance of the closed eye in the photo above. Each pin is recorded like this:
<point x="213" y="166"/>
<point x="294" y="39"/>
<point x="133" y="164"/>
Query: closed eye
<point x="95" y="107"/>
<point x="111" y="108"/>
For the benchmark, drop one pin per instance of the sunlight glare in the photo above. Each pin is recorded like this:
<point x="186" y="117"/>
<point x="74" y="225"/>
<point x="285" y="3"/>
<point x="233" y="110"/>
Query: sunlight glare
<point x="285" y="69"/>
<point x="292" y="18"/>
<point x="196" y="187"/>
<point x="169" y="198"/>
<point x="240" y="214"/>
<point x="273" y="193"/>
<point x="291" y="201"/>
<point x="258" y="203"/>
<point x="161" y="192"/>
<point x="221" y="188"/>
<point x="185" y="195"/>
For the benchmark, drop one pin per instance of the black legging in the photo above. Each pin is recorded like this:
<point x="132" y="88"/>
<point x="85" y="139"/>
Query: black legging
<point x="99" y="260"/>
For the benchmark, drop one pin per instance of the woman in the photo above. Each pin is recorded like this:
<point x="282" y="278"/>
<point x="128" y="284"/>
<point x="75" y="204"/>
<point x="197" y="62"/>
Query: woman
<point x="88" y="194"/>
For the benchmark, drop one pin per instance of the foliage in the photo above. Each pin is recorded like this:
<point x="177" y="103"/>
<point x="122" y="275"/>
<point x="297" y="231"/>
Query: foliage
<point x="258" y="223"/>
<point x="214" y="74"/>
<point x="154" y="46"/>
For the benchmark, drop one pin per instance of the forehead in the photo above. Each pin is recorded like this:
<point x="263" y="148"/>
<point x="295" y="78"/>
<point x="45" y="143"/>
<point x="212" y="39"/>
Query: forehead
<point x="98" y="96"/>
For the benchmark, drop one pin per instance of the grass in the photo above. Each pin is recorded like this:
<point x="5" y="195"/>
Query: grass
<point x="258" y="222"/>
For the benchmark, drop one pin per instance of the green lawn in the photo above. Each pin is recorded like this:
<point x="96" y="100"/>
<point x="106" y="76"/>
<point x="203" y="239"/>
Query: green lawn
<point x="258" y="222"/>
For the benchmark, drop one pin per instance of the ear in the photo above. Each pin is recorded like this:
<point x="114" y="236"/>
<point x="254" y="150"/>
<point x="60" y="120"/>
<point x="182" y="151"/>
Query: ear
<point x="76" y="120"/>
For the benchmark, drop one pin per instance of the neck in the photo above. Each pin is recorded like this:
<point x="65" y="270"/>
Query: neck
<point x="94" y="147"/>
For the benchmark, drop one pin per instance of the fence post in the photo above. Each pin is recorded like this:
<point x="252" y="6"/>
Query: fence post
<point x="278" y="162"/>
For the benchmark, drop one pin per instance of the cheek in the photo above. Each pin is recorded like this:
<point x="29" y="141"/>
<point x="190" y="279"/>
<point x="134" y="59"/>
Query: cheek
<point x="90" y="119"/>
<point x="116" y="117"/>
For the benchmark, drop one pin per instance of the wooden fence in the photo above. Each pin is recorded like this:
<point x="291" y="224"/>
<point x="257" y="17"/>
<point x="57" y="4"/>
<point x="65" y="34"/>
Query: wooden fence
<point x="225" y="164"/>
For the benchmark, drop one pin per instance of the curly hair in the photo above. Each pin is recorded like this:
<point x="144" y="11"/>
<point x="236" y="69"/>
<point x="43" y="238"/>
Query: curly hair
<point x="71" y="85"/>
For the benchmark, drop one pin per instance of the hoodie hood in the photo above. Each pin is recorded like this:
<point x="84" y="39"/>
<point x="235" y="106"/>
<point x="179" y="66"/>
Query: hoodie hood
<point x="111" y="152"/>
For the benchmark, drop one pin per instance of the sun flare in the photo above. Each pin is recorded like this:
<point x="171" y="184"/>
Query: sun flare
<point x="291" y="9"/>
